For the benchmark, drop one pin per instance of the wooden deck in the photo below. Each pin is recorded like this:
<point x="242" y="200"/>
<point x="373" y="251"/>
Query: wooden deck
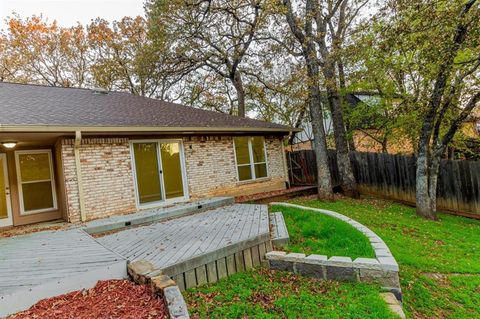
<point x="170" y="242"/>
<point x="49" y="263"/>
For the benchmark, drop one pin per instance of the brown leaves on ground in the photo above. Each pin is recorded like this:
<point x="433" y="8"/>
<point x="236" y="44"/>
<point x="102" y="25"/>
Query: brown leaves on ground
<point x="276" y="195"/>
<point x="34" y="228"/>
<point x="112" y="299"/>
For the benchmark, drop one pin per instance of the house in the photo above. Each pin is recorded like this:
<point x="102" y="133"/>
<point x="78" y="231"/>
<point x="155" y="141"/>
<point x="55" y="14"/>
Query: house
<point x="365" y="136"/>
<point x="81" y="154"/>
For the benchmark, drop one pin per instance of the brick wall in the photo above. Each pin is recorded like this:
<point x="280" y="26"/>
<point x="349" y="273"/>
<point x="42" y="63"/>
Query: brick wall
<point x="108" y="182"/>
<point x="107" y="177"/>
<point x="211" y="171"/>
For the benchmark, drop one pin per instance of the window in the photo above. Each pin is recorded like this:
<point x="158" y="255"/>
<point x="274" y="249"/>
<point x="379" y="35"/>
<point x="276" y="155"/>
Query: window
<point x="35" y="181"/>
<point x="251" y="158"/>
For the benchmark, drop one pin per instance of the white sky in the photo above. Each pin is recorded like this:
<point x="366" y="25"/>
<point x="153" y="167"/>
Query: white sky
<point x="68" y="12"/>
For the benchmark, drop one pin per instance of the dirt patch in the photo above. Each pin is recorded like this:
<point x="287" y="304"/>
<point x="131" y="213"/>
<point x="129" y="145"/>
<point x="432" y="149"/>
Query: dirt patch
<point x="278" y="195"/>
<point x="112" y="299"/>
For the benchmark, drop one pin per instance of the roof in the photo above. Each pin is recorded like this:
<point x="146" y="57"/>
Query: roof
<point x="31" y="107"/>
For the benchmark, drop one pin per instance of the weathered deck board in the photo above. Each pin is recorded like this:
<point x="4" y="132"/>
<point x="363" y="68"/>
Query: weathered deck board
<point x="195" y="249"/>
<point x="170" y="242"/>
<point x="30" y="260"/>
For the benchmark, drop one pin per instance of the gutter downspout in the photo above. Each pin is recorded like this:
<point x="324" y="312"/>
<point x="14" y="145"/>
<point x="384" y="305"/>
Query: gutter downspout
<point x="78" y="143"/>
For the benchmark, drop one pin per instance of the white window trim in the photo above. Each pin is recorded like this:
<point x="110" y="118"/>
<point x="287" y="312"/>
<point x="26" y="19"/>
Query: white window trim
<point x="251" y="164"/>
<point x="164" y="201"/>
<point x="20" y="183"/>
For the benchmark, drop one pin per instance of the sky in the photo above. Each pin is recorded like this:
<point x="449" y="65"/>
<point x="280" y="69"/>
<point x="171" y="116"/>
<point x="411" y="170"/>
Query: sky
<point x="68" y="12"/>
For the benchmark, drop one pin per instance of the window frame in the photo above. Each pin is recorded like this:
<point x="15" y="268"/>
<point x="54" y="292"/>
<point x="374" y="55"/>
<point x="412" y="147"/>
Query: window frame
<point x="20" y="182"/>
<point x="250" y="156"/>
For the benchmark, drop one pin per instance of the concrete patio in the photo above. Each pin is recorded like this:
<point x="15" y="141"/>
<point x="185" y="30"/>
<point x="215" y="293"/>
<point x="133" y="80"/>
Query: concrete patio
<point x="49" y="263"/>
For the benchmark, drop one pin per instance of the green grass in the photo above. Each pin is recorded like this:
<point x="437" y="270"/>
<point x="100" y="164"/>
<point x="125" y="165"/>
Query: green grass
<point x="439" y="260"/>
<point x="314" y="233"/>
<point x="439" y="269"/>
<point x="269" y="294"/>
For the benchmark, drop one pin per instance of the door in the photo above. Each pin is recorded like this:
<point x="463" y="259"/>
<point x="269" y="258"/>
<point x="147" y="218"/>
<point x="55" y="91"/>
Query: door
<point x="159" y="172"/>
<point x="5" y="204"/>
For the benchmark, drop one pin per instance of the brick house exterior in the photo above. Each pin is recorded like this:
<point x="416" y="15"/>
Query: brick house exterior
<point x="75" y="151"/>
<point x="109" y="183"/>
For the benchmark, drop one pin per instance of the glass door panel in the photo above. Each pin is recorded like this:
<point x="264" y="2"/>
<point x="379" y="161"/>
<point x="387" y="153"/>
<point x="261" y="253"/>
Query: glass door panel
<point x="172" y="169"/>
<point x="147" y="172"/>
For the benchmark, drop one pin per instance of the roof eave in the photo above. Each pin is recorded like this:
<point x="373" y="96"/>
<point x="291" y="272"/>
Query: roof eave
<point x="142" y="129"/>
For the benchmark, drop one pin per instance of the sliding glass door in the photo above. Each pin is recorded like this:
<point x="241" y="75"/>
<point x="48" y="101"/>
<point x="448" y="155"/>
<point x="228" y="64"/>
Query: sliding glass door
<point x="149" y="188"/>
<point x="172" y="169"/>
<point x="159" y="171"/>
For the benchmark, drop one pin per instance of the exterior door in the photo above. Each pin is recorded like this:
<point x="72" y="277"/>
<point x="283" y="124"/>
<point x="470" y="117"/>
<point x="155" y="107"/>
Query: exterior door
<point x="159" y="172"/>
<point x="172" y="172"/>
<point x="5" y="204"/>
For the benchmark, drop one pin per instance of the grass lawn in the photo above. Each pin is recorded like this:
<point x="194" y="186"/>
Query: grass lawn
<point x="439" y="260"/>
<point x="268" y="294"/>
<point x="314" y="233"/>
<point x="439" y="269"/>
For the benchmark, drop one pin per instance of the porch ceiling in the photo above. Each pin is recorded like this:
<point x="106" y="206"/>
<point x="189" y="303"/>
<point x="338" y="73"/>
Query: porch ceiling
<point x="25" y="139"/>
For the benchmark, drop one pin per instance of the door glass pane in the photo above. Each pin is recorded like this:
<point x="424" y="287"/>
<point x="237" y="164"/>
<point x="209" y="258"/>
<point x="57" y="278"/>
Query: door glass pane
<point x="34" y="167"/>
<point x="260" y="170"/>
<point x="244" y="173"/>
<point x="147" y="172"/>
<point x="3" y="195"/>
<point x="172" y="169"/>
<point x="37" y="196"/>
<point x="258" y="149"/>
<point x="241" y="150"/>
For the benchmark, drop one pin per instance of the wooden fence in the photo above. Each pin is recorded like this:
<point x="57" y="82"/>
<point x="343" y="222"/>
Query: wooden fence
<point x="393" y="176"/>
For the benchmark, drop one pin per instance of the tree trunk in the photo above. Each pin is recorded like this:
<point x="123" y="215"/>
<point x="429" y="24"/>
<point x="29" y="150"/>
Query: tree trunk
<point x="324" y="179"/>
<point x="422" y="191"/>
<point x="433" y="182"/>
<point x="343" y="86"/>
<point x="238" y="84"/>
<point x="298" y="123"/>
<point x="350" y="136"/>
<point x="385" y="145"/>
<point x="348" y="183"/>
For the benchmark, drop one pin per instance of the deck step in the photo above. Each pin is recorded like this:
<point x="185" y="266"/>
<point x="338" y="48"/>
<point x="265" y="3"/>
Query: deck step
<point x="155" y="215"/>
<point x="279" y="230"/>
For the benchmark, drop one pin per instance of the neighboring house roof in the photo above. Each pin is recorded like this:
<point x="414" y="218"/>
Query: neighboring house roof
<point x="24" y="106"/>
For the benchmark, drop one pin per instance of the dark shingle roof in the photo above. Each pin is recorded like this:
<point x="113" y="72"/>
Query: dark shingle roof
<point x="23" y="104"/>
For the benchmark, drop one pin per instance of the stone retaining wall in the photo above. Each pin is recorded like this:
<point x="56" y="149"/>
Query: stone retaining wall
<point x="337" y="268"/>
<point x="382" y="270"/>
<point x="143" y="272"/>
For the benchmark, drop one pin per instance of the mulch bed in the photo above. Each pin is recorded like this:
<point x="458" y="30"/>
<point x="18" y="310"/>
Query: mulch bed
<point x="110" y="299"/>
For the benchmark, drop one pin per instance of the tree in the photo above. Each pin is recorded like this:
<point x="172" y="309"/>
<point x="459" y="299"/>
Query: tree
<point x="125" y="59"/>
<point x="326" y="24"/>
<point x="449" y="89"/>
<point x="305" y="36"/>
<point x="430" y="51"/>
<point x="210" y="37"/>
<point x="41" y="52"/>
